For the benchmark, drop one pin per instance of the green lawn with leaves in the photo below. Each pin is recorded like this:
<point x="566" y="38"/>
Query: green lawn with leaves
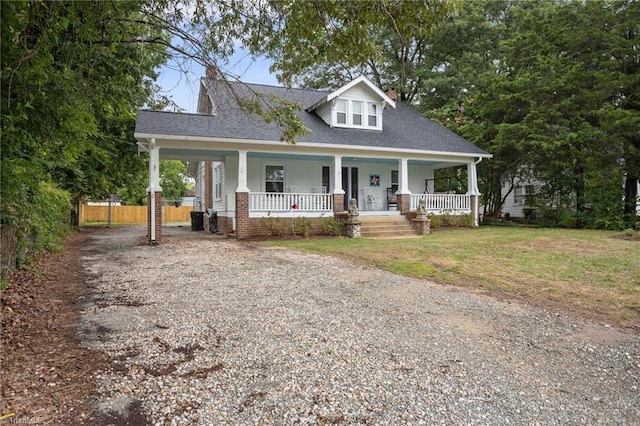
<point x="591" y="273"/>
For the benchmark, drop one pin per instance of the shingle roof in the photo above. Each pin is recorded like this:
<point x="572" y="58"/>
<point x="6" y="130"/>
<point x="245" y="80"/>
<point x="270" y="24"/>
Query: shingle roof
<point x="403" y="127"/>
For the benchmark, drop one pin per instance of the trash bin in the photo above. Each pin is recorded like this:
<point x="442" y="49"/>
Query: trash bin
<point x="213" y="222"/>
<point x="196" y="221"/>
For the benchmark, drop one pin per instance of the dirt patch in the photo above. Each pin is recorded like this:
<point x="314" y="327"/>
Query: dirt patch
<point x="47" y="376"/>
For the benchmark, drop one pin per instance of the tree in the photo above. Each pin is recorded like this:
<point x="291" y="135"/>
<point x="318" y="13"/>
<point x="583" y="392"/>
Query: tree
<point x="71" y="81"/>
<point x="173" y="179"/>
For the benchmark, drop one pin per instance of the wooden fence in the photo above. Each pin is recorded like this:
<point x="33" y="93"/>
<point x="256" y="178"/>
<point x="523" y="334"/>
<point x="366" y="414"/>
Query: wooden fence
<point x="132" y="214"/>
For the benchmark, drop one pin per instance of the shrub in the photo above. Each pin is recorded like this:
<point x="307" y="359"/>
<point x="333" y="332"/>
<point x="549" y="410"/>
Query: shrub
<point x="447" y="220"/>
<point x="332" y="226"/>
<point x="301" y="226"/>
<point x="273" y="226"/>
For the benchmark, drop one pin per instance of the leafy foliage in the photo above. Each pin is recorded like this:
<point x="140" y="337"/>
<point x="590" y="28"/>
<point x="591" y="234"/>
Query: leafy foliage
<point x="72" y="78"/>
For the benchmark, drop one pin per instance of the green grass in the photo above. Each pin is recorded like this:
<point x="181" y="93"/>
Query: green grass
<point x="592" y="273"/>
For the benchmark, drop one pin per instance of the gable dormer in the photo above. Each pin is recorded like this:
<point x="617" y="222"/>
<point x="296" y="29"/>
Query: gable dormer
<point x="356" y="105"/>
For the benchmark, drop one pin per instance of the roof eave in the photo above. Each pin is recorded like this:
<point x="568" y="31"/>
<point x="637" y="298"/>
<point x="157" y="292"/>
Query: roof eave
<point x="310" y="145"/>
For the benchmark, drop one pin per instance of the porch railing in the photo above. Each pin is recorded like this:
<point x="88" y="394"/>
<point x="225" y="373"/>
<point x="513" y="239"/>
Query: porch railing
<point x="287" y="202"/>
<point x="443" y="203"/>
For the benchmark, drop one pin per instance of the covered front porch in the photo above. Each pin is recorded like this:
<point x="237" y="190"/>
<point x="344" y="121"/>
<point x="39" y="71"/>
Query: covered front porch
<point x="244" y="186"/>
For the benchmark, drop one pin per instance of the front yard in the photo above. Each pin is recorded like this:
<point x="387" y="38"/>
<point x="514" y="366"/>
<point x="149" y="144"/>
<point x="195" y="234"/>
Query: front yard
<point x="595" y="274"/>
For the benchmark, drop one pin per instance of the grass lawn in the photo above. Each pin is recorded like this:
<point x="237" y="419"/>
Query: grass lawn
<point x="591" y="273"/>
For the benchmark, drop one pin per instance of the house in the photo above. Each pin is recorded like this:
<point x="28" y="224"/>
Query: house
<point x="518" y="192"/>
<point x="515" y="193"/>
<point x="364" y="145"/>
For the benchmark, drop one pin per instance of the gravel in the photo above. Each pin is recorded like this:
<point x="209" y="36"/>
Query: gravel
<point x="206" y="330"/>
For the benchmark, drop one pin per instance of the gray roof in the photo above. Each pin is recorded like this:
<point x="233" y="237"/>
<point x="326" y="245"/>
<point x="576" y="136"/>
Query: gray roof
<point x="403" y="127"/>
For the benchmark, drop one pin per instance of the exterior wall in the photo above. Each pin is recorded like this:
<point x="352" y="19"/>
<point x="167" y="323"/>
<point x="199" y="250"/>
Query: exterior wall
<point x="220" y="204"/>
<point x="510" y="206"/>
<point x="208" y="184"/>
<point x="306" y="175"/>
<point x="358" y="92"/>
<point x="324" y="112"/>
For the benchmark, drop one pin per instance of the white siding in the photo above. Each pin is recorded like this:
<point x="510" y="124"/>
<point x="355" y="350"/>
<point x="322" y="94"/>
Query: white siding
<point x="324" y="112"/>
<point x="220" y="205"/>
<point x="360" y="93"/>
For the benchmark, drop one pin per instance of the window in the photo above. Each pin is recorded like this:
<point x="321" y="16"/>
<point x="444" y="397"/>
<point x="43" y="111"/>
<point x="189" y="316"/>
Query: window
<point x="326" y="178"/>
<point x="217" y="182"/>
<point x="520" y="193"/>
<point x="372" y="115"/>
<point x="274" y="179"/>
<point x="394" y="178"/>
<point x="341" y="108"/>
<point x="357" y="113"/>
<point x="351" y="113"/>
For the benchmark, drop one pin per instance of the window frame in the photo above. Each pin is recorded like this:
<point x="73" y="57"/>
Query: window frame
<point x="350" y="114"/>
<point x="274" y="181"/>
<point x="217" y="182"/>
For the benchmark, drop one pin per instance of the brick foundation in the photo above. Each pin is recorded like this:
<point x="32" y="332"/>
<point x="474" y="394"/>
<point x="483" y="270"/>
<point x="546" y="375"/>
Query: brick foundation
<point x="158" y="216"/>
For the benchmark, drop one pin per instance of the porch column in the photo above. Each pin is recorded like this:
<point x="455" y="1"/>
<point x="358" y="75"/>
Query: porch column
<point x="473" y="191"/>
<point x="243" y="226"/>
<point x="154" y="195"/>
<point x="403" y="194"/>
<point x="338" y="191"/>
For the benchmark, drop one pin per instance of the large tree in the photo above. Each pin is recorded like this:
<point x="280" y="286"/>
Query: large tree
<point x="72" y="78"/>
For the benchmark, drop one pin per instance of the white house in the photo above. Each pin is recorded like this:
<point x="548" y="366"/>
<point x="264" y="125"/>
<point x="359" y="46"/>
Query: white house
<point x="364" y="145"/>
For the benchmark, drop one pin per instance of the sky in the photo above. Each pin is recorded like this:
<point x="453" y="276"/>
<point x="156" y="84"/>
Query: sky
<point x="182" y="86"/>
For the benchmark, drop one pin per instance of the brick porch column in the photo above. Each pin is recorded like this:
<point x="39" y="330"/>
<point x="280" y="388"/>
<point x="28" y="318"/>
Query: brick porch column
<point x="404" y="203"/>
<point x="243" y="226"/>
<point x="158" y="217"/>
<point x="338" y="203"/>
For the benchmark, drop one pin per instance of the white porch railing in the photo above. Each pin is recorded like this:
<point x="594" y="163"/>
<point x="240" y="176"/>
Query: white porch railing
<point x="443" y="203"/>
<point x="287" y="202"/>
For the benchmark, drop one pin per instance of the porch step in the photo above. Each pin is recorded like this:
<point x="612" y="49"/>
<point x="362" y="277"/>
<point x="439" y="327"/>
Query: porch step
<point x="386" y="227"/>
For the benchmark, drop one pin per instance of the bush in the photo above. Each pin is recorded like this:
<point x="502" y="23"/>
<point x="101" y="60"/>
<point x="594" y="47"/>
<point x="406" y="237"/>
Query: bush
<point x="301" y="226"/>
<point x="40" y="221"/>
<point x="447" y="220"/>
<point x="274" y="226"/>
<point x="332" y="226"/>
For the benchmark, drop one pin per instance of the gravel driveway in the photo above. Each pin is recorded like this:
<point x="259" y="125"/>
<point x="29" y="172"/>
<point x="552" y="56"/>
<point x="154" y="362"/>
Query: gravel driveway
<point x="206" y="330"/>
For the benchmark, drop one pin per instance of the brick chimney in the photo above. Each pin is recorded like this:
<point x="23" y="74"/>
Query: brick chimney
<point x="392" y="93"/>
<point x="212" y="71"/>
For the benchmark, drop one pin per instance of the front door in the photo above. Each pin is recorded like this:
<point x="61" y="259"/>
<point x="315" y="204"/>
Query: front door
<point x="349" y="184"/>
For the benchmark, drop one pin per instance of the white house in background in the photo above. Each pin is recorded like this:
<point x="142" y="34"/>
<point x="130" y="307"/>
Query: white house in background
<point x="516" y="194"/>
<point x="364" y="145"/>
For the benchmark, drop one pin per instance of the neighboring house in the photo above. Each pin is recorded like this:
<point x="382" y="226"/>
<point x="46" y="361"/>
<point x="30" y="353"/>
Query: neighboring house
<point x="364" y="145"/>
<point x="113" y="199"/>
<point x="515" y="196"/>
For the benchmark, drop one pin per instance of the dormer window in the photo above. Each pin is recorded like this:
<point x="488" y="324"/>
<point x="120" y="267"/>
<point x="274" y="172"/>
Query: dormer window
<point x="372" y="115"/>
<point x="356" y="113"/>
<point x="341" y="112"/>
<point x="357" y="105"/>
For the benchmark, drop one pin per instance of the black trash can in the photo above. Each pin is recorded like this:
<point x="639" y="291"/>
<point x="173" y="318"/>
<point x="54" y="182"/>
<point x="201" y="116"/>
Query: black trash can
<point x="197" y="223"/>
<point x="213" y="222"/>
